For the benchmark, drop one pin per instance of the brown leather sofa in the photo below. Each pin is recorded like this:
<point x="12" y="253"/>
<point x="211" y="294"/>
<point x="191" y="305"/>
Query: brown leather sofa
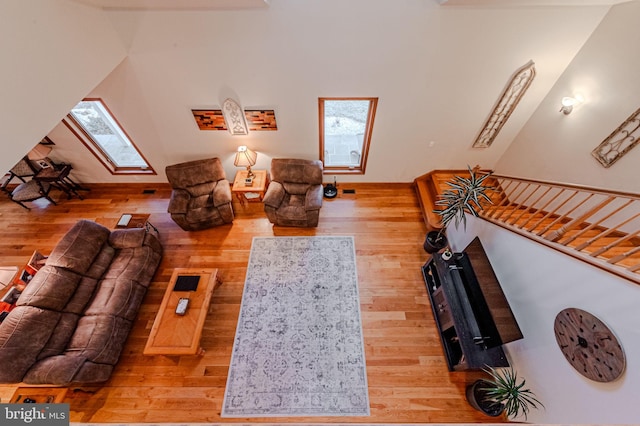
<point x="201" y="196"/>
<point x="72" y="320"/>
<point x="294" y="196"/>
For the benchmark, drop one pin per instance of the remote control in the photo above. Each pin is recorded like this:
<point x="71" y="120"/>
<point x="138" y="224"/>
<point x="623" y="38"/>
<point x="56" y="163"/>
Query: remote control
<point x="183" y="303"/>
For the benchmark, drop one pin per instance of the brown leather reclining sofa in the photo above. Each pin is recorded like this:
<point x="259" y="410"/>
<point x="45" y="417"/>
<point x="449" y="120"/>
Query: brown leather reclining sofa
<point x="72" y="320"/>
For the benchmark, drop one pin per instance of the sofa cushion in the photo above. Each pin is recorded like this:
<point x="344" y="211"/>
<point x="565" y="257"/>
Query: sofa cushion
<point x="202" y="189"/>
<point x="137" y="264"/>
<point x="191" y="173"/>
<point x="59" y="339"/>
<point x="79" y="246"/>
<point x="99" y="338"/>
<point x="203" y="201"/>
<point x="101" y="262"/>
<point x="127" y="238"/>
<point x="23" y="334"/>
<point x="51" y="288"/>
<point x="118" y="297"/>
<point x="55" y="370"/>
<point x="202" y="214"/>
<point x="91" y="372"/>
<point x="154" y="245"/>
<point x="82" y="295"/>
<point x="296" y="188"/>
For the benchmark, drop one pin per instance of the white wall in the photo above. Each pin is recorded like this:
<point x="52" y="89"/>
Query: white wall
<point x="437" y="70"/>
<point x="540" y="282"/>
<point x="53" y="53"/>
<point x="557" y="147"/>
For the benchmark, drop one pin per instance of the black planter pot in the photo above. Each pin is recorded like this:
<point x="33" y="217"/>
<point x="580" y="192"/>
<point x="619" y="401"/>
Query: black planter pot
<point x="434" y="242"/>
<point x="476" y="398"/>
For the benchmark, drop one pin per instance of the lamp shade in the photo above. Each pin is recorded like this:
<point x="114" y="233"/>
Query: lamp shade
<point x="39" y="152"/>
<point x="245" y="157"/>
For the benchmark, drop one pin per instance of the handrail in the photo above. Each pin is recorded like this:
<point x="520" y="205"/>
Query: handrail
<point x="598" y="226"/>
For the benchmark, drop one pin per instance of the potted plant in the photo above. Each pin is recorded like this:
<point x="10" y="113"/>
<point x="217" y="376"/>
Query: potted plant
<point x="501" y="393"/>
<point x="465" y="195"/>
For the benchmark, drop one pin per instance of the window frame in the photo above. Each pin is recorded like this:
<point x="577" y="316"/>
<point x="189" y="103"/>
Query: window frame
<point x="104" y="157"/>
<point x="366" y="142"/>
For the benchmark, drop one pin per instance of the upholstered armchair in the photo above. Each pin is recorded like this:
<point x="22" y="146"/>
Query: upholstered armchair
<point x="294" y="196"/>
<point x="201" y="196"/>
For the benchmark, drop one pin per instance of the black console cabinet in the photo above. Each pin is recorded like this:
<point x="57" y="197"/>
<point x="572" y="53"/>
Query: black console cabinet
<point x="471" y="312"/>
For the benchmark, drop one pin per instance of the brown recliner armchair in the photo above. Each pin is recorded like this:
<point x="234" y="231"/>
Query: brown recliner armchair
<point x="294" y="196"/>
<point x="201" y="196"/>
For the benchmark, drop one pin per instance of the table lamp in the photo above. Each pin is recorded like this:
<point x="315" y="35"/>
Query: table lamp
<point x="245" y="158"/>
<point x="40" y="155"/>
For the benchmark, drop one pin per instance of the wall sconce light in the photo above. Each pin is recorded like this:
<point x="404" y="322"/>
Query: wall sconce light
<point x="245" y="158"/>
<point x="568" y="103"/>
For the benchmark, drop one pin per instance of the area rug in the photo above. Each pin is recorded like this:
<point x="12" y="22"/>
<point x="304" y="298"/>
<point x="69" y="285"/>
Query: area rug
<point x="298" y="349"/>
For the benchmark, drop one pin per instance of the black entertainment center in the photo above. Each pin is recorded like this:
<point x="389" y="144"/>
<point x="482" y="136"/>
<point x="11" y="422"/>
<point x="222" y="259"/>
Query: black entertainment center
<point x="471" y="312"/>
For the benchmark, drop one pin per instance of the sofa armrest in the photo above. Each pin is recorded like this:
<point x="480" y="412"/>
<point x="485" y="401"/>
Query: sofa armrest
<point x="314" y="198"/>
<point x="222" y="193"/>
<point x="179" y="201"/>
<point x="274" y="195"/>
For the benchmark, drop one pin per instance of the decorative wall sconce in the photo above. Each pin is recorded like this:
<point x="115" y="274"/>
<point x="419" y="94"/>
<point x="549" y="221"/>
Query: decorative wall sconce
<point x="513" y="92"/>
<point x="234" y="117"/>
<point x="568" y="103"/>
<point x="245" y="158"/>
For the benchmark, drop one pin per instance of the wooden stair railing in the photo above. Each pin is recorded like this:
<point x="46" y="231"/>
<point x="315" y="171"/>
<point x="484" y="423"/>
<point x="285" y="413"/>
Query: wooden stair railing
<point x="597" y="226"/>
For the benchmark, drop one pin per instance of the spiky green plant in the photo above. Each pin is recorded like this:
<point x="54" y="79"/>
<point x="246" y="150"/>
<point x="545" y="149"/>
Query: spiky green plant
<point x="466" y="195"/>
<point x="503" y="388"/>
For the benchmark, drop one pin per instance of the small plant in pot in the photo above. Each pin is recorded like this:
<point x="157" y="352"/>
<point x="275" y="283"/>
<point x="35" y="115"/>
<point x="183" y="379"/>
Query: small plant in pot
<point x="465" y="195"/>
<point x="502" y="393"/>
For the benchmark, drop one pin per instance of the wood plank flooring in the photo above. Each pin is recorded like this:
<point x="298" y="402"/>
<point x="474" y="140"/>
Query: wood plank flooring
<point x="408" y="378"/>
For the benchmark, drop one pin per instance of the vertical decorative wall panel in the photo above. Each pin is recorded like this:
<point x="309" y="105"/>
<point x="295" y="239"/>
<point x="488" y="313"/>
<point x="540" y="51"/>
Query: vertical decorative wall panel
<point x="507" y="102"/>
<point x="618" y="143"/>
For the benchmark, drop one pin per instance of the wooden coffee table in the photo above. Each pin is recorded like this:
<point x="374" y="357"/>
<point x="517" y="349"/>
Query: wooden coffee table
<point x="173" y="334"/>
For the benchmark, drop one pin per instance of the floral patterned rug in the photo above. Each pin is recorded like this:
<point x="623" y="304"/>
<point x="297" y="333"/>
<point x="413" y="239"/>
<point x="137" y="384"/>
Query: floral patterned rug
<point x="298" y="349"/>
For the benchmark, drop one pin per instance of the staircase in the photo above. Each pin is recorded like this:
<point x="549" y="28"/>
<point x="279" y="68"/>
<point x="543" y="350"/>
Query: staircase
<point x="596" y="226"/>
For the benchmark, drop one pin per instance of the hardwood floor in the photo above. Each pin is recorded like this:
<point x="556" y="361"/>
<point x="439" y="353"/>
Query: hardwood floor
<point x="408" y="378"/>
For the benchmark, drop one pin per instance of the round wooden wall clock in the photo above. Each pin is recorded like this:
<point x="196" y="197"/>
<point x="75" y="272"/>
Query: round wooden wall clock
<point x="589" y="345"/>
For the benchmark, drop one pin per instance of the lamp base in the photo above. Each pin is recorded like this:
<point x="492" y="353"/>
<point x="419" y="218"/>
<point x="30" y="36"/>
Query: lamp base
<point x="250" y="173"/>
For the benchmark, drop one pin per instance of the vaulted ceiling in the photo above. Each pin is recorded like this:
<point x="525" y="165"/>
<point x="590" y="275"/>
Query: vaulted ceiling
<point x="438" y="70"/>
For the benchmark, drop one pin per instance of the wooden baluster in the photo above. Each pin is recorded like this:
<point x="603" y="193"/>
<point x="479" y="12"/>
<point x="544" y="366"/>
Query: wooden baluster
<point x="624" y="256"/>
<point x="514" y="209"/>
<point x="594" y="224"/>
<point x="615" y="243"/>
<point x="542" y="210"/>
<point x="534" y="203"/>
<point x="606" y="232"/>
<point x="552" y="213"/>
<point x="504" y="204"/>
<point x="505" y="199"/>
<point x="559" y="233"/>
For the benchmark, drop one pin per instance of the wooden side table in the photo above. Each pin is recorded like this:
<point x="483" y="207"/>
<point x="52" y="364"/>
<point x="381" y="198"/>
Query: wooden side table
<point x="136" y="220"/>
<point x="41" y="395"/>
<point x="256" y="191"/>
